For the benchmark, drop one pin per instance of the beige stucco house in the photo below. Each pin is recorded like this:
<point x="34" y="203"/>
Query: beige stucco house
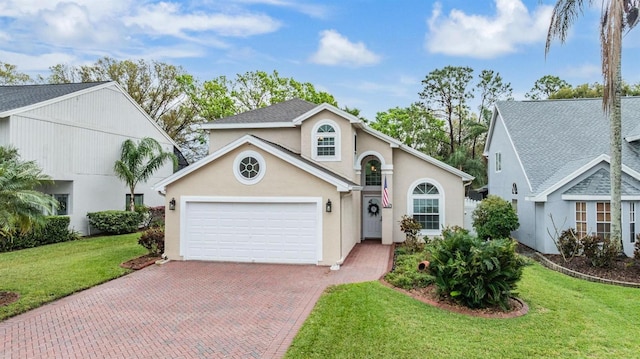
<point x="298" y="182"/>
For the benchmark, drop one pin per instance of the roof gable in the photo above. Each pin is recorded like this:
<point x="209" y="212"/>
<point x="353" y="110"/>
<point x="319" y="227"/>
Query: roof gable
<point x="342" y="184"/>
<point x="556" y="138"/>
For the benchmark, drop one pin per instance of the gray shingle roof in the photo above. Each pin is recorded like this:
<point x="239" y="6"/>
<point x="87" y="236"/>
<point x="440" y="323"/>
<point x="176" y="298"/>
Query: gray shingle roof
<point x="14" y="97"/>
<point x="554" y="138"/>
<point x="281" y="112"/>
<point x="599" y="184"/>
<point x="310" y="163"/>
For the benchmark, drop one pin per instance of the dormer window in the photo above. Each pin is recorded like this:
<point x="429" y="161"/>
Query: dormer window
<point x="326" y="142"/>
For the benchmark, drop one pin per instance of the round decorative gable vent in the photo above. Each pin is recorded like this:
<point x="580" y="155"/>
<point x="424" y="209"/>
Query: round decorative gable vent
<point x="249" y="167"/>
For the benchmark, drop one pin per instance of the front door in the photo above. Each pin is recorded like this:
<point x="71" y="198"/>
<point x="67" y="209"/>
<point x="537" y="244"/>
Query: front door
<point x="371" y="216"/>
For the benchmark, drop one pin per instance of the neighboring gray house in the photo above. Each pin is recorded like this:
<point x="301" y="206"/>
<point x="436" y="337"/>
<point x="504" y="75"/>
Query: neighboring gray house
<point x="74" y="133"/>
<point x="551" y="159"/>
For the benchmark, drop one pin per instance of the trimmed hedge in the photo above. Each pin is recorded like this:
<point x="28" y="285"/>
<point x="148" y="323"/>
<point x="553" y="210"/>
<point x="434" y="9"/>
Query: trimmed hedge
<point x="115" y="222"/>
<point x="54" y="230"/>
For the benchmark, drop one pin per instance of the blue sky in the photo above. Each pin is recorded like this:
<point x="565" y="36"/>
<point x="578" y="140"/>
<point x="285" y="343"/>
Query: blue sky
<point x="371" y="55"/>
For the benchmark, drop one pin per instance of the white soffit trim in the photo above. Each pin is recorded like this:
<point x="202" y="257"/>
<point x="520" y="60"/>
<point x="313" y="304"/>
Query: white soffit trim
<point x="575" y="197"/>
<point x="341" y="186"/>
<point x="222" y="126"/>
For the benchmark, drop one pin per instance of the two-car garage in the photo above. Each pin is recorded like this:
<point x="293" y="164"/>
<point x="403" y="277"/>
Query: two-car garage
<point x="261" y="229"/>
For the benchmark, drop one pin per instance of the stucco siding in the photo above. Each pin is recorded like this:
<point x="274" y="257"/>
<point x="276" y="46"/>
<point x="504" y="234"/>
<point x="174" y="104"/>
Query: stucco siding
<point x="286" y="137"/>
<point x="343" y="166"/>
<point x="407" y="170"/>
<point x="280" y="180"/>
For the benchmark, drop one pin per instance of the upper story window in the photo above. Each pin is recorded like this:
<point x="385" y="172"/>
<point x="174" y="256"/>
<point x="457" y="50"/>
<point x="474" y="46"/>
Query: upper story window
<point x="425" y="205"/>
<point x="326" y="141"/>
<point x="498" y="163"/>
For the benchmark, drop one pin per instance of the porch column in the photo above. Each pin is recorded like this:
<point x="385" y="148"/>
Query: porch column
<point x="387" y="212"/>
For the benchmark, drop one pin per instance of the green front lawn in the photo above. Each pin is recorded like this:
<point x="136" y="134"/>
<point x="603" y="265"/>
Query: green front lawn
<point x="568" y="318"/>
<point x="46" y="273"/>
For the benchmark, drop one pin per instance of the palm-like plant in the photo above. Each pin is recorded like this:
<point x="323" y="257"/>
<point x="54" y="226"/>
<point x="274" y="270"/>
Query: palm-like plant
<point x="617" y="15"/>
<point x="139" y="161"/>
<point x="21" y="206"/>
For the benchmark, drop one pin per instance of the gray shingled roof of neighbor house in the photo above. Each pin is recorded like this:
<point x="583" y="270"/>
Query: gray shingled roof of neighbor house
<point x="599" y="184"/>
<point x="14" y="97"/>
<point x="554" y="138"/>
<point x="285" y="111"/>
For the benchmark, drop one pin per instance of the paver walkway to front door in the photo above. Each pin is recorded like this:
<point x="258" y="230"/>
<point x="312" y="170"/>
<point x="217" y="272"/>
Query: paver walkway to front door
<point x="186" y="310"/>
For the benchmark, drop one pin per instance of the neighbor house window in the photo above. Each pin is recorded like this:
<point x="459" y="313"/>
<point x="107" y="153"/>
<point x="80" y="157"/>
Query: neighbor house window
<point x="326" y="142"/>
<point x="498" y="161"/>
<point x="581" y="219"/>
<point x="426" y="200"/>
<point x="63" y="204"/>
<point x="514" y="188"/>
<point x="138" y="199"/>
<point x="514" y="205"/>
<point x="632" y="222"/>
<point x="603" y="219"/>
<point x="372" y="174"/>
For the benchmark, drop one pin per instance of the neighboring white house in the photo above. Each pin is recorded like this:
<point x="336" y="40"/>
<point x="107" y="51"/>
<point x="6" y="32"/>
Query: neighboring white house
<point x="298" y="182"/>
<point x="550" y="159"/>
<point x="74" y="133"/>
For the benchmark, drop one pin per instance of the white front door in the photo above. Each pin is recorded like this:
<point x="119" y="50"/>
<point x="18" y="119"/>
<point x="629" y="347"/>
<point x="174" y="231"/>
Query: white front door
<point x="371" y="216"/>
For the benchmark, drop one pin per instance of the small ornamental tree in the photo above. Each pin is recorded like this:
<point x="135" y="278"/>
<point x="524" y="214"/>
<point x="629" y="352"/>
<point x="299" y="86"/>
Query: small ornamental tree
<point x="494" y="218"/>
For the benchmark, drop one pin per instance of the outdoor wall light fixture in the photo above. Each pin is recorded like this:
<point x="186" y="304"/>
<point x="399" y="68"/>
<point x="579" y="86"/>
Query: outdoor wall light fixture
<point x="172" y="204"/>
<point x="328" y="206"/>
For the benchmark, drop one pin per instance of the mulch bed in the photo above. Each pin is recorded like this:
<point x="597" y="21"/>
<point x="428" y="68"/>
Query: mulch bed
<point x="140" y="262"/>
<point x="623" y="269"/>
<point x="7" y="298"/>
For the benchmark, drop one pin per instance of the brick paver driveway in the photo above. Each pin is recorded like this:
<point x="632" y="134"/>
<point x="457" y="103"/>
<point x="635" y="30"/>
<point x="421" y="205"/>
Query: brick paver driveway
<point x="185" y="310"/>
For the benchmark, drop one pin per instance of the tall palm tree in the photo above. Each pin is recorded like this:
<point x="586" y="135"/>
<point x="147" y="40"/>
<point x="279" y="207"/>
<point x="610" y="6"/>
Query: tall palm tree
<point x="616" y="16"/>
<point x="21" y="206"/>
<point x="139" y="161"/>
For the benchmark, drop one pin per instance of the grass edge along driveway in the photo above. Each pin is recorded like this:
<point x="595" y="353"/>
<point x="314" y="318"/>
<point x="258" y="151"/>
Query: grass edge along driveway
<point x="568" y="318"/>
<point x="46" y="273"/>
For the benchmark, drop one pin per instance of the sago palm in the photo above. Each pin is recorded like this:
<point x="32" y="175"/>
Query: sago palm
<point x="139" y="161"/>
<point x="616" y="17"/>
<point x="21" y="205"/>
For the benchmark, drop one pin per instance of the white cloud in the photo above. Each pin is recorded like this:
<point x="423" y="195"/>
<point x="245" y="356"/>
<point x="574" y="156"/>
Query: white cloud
<point x="313" y="10"/>
<point x="461" y="34"/>
<point x="35" y="63"/>
<point x="167" y="19"/>
<point x="335" y="49"/>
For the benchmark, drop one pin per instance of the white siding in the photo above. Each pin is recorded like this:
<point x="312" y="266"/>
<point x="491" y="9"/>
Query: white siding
<point x="79" y="140"/>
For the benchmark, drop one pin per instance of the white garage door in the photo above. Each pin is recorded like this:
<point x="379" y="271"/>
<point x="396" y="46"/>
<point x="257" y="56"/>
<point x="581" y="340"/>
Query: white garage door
<point x="252" y="232"/>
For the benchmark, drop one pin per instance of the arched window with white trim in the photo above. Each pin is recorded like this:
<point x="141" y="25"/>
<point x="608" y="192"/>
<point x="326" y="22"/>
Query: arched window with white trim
<point x="326" y="141"/>
<point x="426" y="205"/>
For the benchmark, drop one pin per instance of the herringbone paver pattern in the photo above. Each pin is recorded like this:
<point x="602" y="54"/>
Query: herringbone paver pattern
<point x="185" y="310"/>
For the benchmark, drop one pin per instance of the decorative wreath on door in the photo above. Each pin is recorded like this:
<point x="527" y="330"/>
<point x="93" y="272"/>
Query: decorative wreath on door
<point x="373" y="209"/>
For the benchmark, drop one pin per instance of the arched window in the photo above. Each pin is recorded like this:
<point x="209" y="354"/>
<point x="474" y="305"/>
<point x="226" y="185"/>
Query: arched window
<point x="326" y="142"/>
<point x="514" y="188"/>
<point x="426" y="206"/>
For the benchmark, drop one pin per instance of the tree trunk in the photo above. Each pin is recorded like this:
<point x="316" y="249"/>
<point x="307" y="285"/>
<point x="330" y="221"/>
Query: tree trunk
<point x="616" y="159"/>
<point x="132" y="199"/>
